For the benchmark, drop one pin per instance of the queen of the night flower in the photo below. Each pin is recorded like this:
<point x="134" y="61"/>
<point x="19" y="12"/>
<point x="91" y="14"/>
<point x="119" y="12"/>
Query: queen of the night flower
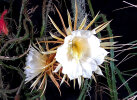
<point x="39" y="65"/>
<point x="81" y="52"/>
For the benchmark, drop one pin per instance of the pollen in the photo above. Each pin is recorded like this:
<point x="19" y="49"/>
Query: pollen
<point x="79" y="47"/>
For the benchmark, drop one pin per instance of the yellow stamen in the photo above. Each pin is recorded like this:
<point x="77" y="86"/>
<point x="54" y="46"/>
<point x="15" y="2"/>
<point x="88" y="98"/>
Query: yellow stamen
<point x="78" y="48"/>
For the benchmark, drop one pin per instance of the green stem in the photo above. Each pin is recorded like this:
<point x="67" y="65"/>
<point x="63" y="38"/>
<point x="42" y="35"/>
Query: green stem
<point x="107" y="71"/>
<point x="127" y="98"/>
<point x="112" y="65"/>
<point x="20" y="17"/>
<point x="20" y="22"/>
<point x="91" y="8"/>
<point x="14" y="68"/>
<point x="84" y="89"/>
<point x="43" y="18"/>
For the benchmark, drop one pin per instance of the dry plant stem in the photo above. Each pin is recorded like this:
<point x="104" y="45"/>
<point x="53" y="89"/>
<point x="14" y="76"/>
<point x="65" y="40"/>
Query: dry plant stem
<point x="1" y="85"/>
<point x="20" y="39"/>
<point x="122" y="8"/>
<point x="19" y="89"/>
<point x="47" y="13"/>
<point x="130" y="4"/>
<point x="127" y="81"/>
<point x="17" y="97"/>
<point x="15" y="57"/>
<point x="8" y="91"/>
<point x="129" y="48"/>
<point x="3" y="92"/>
<point x="1" y="82"/>
<point x="125" y="59"/>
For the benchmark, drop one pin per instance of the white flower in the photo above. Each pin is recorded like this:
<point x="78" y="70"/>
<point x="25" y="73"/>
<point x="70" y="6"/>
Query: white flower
<point x="35" y="63"/>
<point x="81" y="54"/>
<point x="39" y="64"/>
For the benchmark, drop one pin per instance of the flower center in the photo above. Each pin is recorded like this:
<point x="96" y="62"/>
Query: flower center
<point x="78" y="48"/>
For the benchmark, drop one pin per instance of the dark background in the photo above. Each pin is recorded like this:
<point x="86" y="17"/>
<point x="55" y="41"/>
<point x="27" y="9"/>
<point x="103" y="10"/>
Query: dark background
<point x="124" y="24"/>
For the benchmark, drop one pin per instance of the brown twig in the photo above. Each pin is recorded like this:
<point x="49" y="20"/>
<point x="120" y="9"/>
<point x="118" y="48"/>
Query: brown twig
<point x="130" y="4"/>
<point x="17" y="97"/>
<point x="1" y="82"/>
<point x="8" y="91"/>
<point x="11" y="41"/>
<point x="14" y="57"/>
<point x="126" y="81"/>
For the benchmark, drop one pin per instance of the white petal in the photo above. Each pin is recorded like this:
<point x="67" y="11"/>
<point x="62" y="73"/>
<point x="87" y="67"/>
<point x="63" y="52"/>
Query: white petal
<point x="61" y="55"/>
<point x="79" y="81"/>
<point x="30" y="77"/>
<point x="72" y="69"/>
<point x="88" y="67"/>
<point x="93" y="31"/>
<point x="93" y="41"/>
<point x="63" y="79"/>
<point x="34" y="63"/>
<point x="98" y="71"/>
<point x="58" y="68"/>
<point x="100" y="56"/>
